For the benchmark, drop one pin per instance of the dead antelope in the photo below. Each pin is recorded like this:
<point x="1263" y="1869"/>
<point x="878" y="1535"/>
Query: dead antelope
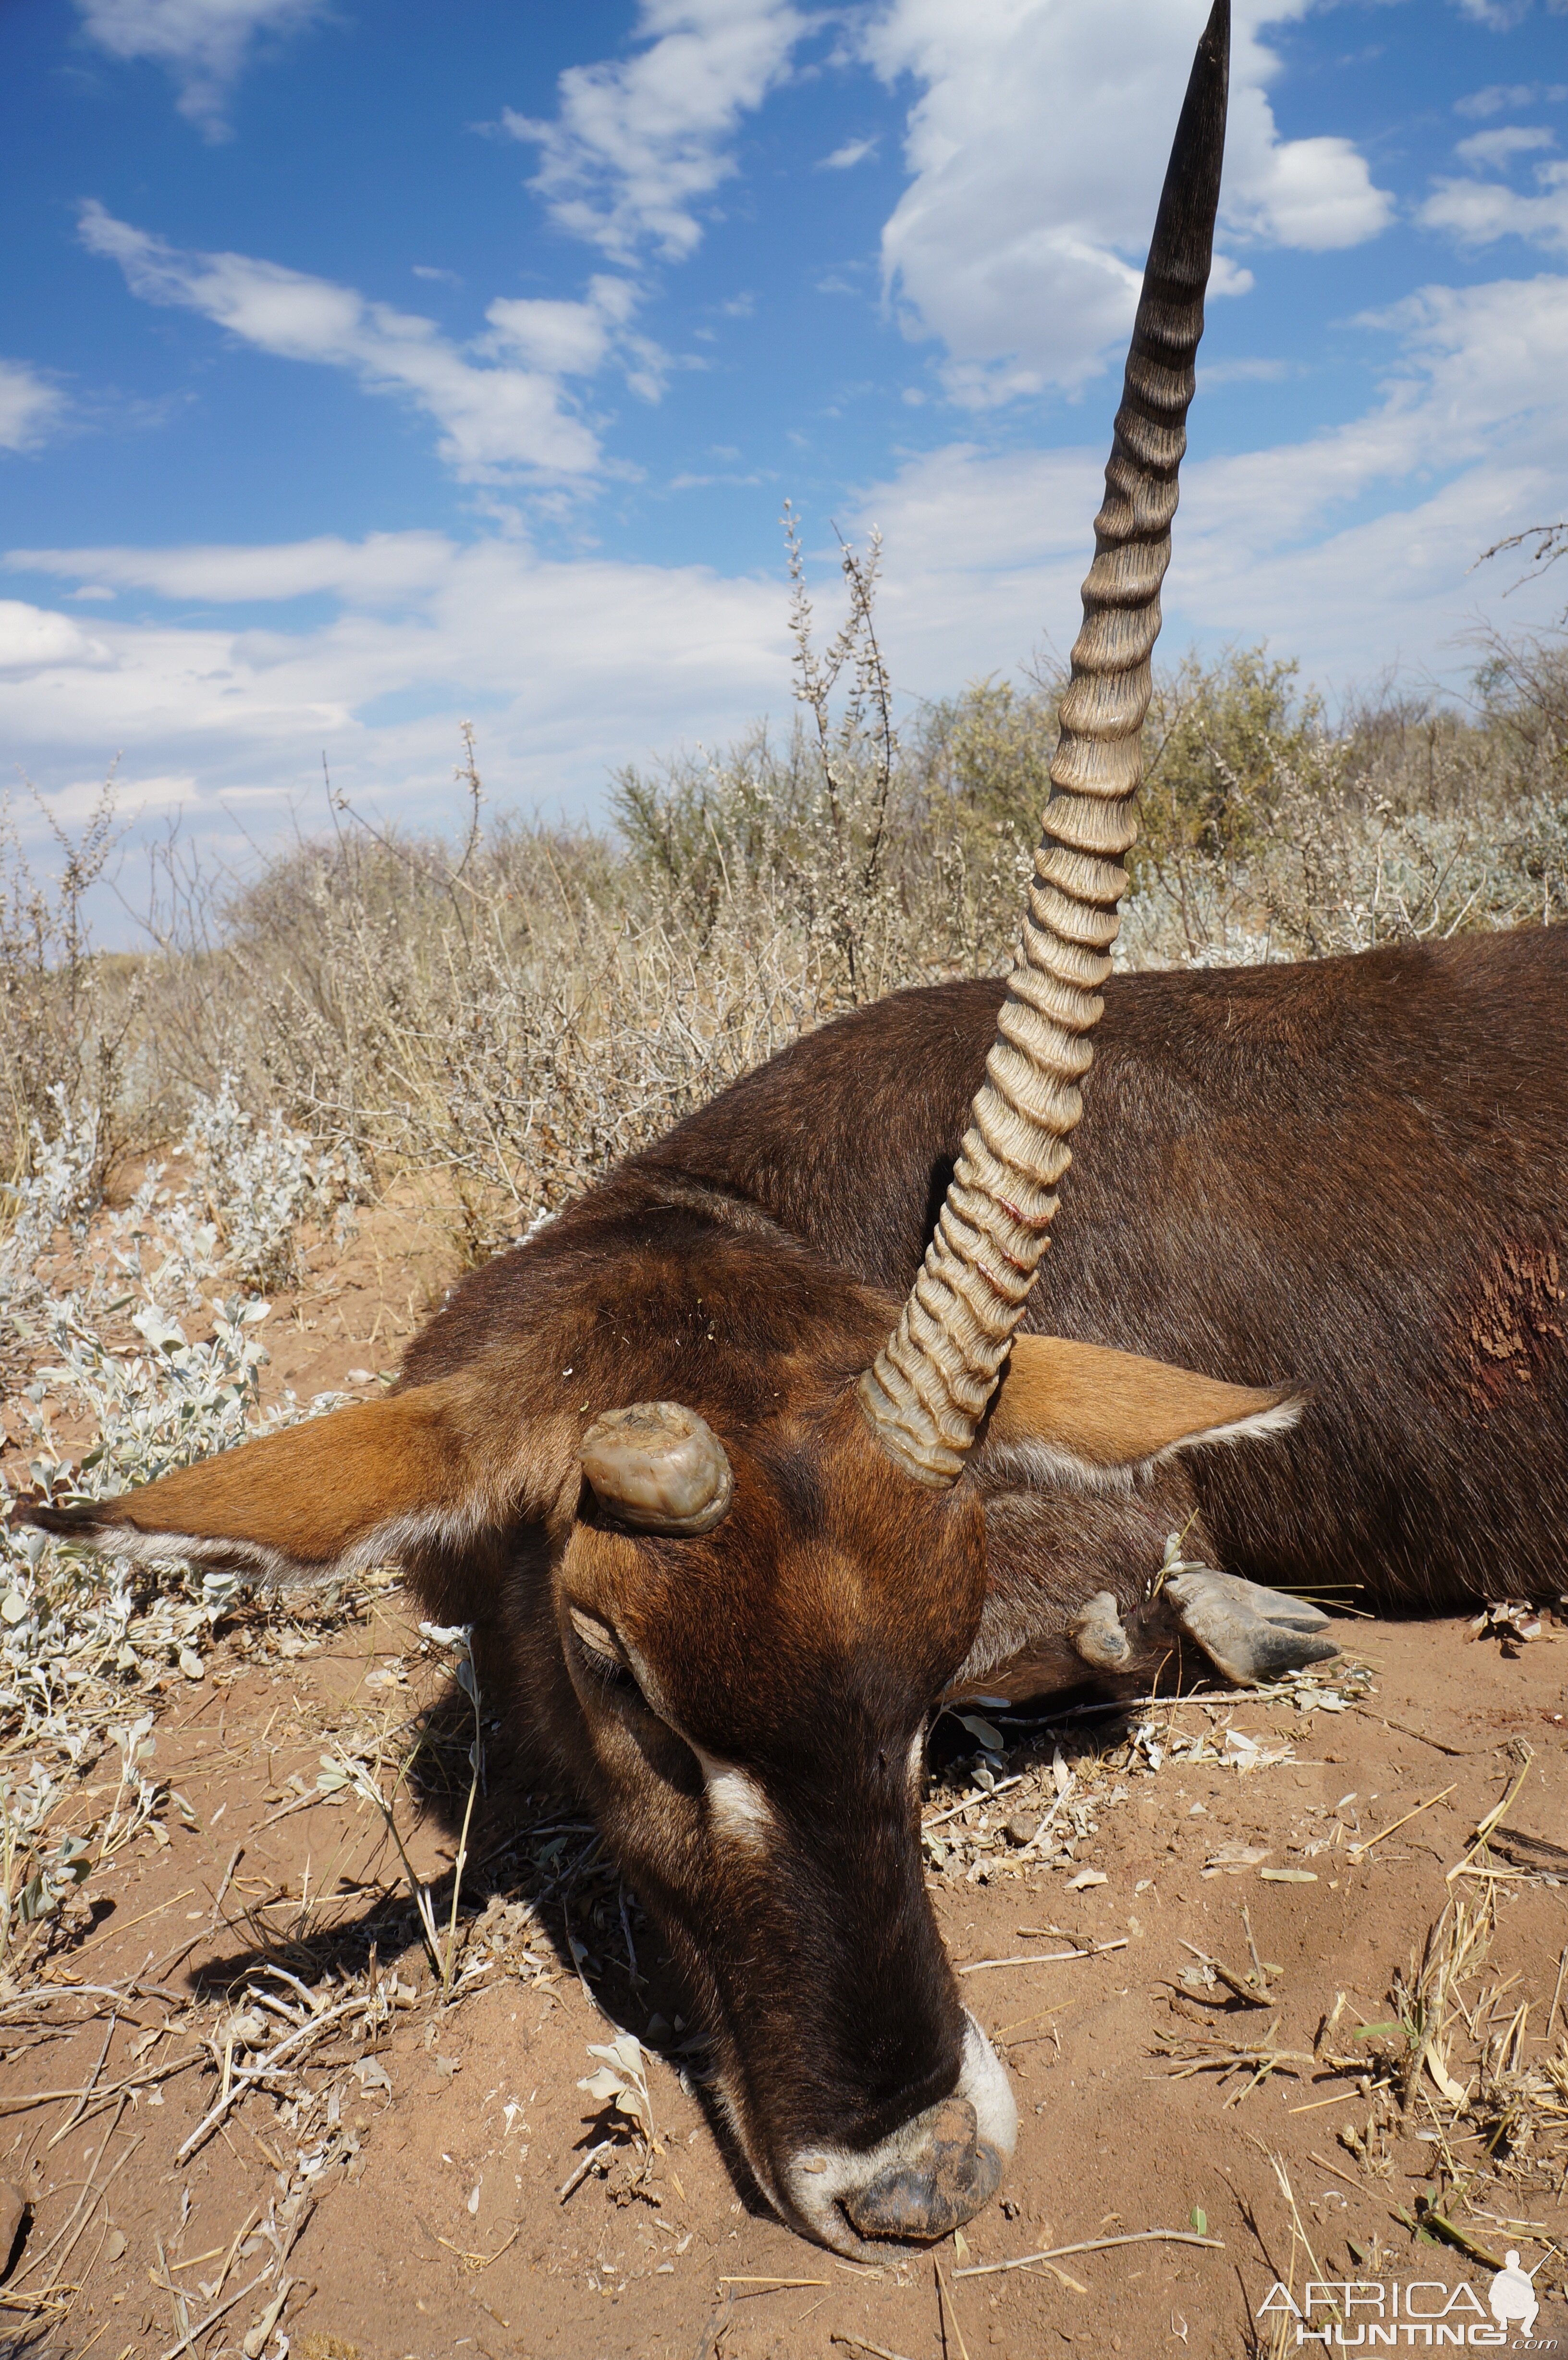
<point x="730" y="1522"/>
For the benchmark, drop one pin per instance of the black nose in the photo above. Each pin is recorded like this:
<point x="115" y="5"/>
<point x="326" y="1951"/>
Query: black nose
<point x="941" y="2181"/>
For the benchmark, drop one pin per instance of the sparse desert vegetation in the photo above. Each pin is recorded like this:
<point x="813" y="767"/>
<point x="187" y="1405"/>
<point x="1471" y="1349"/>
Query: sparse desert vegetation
<point x="513" y="1009"/>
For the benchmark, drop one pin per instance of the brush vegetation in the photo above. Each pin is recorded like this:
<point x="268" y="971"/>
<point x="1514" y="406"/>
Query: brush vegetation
<point x="509" y="1012"/>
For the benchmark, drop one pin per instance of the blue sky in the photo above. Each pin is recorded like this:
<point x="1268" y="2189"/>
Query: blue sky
<point x="364" y="367"/>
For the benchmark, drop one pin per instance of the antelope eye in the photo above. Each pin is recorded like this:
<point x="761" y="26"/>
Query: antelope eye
<point x="601" y="1649"/>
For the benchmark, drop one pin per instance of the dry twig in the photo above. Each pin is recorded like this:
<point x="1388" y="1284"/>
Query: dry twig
<point x="1091" y="2245"/>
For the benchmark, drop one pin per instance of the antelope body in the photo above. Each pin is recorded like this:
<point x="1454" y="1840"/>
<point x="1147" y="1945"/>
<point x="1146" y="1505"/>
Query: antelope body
<point x="781" y="1435"/>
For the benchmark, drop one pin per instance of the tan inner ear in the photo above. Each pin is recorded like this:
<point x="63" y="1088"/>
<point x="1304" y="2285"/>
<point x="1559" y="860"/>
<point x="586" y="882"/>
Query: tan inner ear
<point x="1115" y="1409"/>
<point x="316" y="1492"/>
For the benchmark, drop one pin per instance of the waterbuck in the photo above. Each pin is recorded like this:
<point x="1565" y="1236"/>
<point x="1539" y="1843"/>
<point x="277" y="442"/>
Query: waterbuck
<point x="781" y="1435"/>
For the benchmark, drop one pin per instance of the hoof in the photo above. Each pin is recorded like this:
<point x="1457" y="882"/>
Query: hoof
<point x="1249" y="1633"/>
<point x="1098" y="1636"/>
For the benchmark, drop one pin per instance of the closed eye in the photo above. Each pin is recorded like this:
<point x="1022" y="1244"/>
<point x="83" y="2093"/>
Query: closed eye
<point x="605" y="1661"/>
<point x="601" y="1654"/>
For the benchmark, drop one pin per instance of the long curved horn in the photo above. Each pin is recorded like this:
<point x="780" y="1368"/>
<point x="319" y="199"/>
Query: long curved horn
<point x="926" y="1391"/>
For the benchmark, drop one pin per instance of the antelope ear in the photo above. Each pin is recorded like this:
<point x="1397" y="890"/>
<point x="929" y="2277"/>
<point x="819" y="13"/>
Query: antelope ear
<point x="1092" y="1414"/>
<point x="325" y="1497"/>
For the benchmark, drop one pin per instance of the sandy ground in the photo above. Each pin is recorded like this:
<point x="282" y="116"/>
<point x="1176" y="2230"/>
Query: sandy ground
<point x="407" y="2164"/>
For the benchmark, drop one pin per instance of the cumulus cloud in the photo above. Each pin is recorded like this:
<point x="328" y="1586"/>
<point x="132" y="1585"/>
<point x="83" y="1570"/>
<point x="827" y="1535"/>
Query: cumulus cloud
<point x="385" y="569"/>
<point x="1254" y="371"/>
<point x="30" y="405"/>
<point x="1476" y="210"/>
<point x="1036" y="148"/>
<point x="566" y="339"/>
<point x="1351" y="548"/>
<point x="1477" y="213"/>
<point x="32" y="638"/>
<point x="1481" y="381"/>
<point x="571" y="669"/>
<point x="1498" y="16"/>
<point x="499" y="403"/>
<point x="203" y="44"/>
<point x="639" y="143"/>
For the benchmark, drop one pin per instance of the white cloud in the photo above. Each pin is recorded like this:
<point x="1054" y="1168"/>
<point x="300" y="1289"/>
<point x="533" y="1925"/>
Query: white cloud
<point x="385" y="569"/>
<point x="639" y="143"/>
<point x="495" y="417"/>
<point x="1257" y="371"/>
<point x="1351" y="549"/>
<point x="1478" y="213"/>
<point x="570" y="669"/>
<point x="30" y="405"/>
<point x="1481" y="381"/>
<point x="559" y="338"/>
<point x="842" y="160"/>
<point x="1315" y="194"/>
<point x="1037" y="148"/>
<point x="32" y="637"/>
<point x="565" y="339"/>
<point x="203" y="43"/>
<point x="1498" y="96"/>
<point x="1492" y="151"/>
<point x="1498" y="16"/>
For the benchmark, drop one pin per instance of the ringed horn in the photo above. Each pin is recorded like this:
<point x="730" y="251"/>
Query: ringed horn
<point x="926" y="1391"/>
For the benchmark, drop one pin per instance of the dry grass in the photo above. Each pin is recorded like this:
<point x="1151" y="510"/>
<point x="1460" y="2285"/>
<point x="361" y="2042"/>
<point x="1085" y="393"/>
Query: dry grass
<point x="1500" y="2115"/>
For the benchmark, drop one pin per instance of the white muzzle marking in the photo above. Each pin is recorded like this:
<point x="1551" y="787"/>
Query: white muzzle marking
<point x="816" y="2180"/>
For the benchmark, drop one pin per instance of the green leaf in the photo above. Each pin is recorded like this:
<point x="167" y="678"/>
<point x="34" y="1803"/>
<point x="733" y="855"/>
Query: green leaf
<point x="1199" y="2220"/>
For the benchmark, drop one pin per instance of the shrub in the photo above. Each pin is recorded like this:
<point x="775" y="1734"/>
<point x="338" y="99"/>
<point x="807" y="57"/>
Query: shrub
<point x="506" y="1014"/>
